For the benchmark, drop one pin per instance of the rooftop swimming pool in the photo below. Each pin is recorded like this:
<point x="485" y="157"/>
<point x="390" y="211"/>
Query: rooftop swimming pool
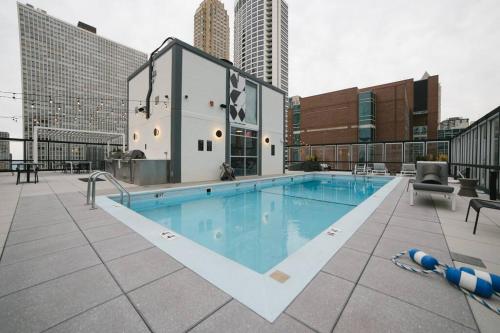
<point x="261" y="241"/>
<point x="258" y="226"/>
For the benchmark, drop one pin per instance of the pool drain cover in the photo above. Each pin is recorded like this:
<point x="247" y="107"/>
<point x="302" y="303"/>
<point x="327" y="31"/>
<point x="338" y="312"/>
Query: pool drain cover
<point x="279" y="276"/>
<point x="467" y="259"/>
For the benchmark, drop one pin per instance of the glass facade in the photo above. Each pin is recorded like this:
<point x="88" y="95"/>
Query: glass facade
<point x="366" y="116"/>
<point x="244" y="151"/>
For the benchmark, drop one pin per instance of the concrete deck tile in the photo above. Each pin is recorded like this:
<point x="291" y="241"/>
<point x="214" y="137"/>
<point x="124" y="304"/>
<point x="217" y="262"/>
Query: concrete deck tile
<point x="120" y="246"/>
<point x="362" y="242"/>
<point x="388" y="247"/>
<point x="347" y="264"/>
<point x="372" y="228"/>
<point x="34" y="222"/>
<point x="117" y="315"/>
<point x="434" y="227"/>
<point x="415" y="215"/>
<point x="379" y="218"/>
<point x="42" y="306"/>
<point x="40" y="247"/>
<point x="178" y="301"/>
<point x="432" y="293"/>
<point x="107" y="232"/>
<point x="471" y="248"/>
<point x="96" y="222"/>
<point x="235" y="317"/>
<point x="142" y="267"/>
<point x="434" y="241"/>
<point x="30" y="272"/>
<point x="488" y="234"/>
<point x="487" y="320"/>
<point x="319" y="305"/>
<point x="25" y="235"/>
<point x="362" y="315"/>
<point x="3" y="237"/>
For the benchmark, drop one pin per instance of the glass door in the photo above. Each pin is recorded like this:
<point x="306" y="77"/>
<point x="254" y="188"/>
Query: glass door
<point x="244" y="151"/>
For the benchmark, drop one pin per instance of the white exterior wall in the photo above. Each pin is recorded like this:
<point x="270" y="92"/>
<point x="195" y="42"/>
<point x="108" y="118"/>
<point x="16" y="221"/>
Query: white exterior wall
<point x="272" y="128"/>
<point x="202" y="81"/>
<point x="160" y="113"/>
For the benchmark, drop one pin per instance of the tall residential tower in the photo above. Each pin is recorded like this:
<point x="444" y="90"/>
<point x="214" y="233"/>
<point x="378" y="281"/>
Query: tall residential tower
<point x="211" y="29"/>
<point x="261" y="40"/>
<point x="72" y="78"/>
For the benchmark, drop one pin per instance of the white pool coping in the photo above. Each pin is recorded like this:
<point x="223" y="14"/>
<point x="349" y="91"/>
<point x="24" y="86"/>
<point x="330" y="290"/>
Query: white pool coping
<point x="261" y="293"/>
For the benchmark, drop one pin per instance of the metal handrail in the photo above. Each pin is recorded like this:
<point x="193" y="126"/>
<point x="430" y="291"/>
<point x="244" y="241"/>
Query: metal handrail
<point x="91" y="185"/>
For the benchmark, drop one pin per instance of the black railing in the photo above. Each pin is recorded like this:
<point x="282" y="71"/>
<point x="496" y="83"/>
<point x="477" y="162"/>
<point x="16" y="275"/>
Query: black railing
<point x="53" y="154"/>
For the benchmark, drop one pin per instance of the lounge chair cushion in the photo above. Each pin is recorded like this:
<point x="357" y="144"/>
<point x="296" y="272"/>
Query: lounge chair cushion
<point x="433" y="187"/>
<point x="431" y="174"/>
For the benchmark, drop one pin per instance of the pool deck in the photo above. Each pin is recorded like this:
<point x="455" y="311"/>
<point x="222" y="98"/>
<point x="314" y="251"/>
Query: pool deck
<point x="66" y="268"/>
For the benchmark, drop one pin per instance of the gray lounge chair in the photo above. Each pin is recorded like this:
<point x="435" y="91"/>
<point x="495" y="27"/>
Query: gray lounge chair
<point x="379" y="169"/>
<point x="408" y="169"/>
<point x="432" y="178"/>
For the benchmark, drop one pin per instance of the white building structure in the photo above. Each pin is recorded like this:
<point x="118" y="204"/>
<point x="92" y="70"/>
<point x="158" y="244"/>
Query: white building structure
<point x="72" y="79"/>
<point x="204" y="112"/>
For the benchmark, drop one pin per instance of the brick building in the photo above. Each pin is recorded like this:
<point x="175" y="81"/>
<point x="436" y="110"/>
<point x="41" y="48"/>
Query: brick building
<point x="402" y="110"/>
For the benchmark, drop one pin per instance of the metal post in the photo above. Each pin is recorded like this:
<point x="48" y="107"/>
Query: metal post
<point x="493" y="185"/>
<point x="35" y="144"/>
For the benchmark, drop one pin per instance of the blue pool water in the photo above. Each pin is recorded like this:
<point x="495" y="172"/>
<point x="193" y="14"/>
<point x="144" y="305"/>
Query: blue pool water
<point x="258" y="224"/>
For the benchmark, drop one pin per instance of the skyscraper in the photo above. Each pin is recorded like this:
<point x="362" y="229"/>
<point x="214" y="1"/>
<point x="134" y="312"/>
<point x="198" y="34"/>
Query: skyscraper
<point x="4" y="151"/>
<point x="261" y="40"/>
<point x="211" y="29"/>
<point x="71" y="77"/>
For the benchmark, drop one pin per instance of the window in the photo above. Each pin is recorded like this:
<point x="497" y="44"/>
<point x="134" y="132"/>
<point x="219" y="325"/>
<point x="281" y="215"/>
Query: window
<point x="419" y="132"/>
<point x="251" y="103"/>
<point x="200" y="145"/>
<point x="244" y="151"/>
<point x="209" y="145"/>
<point x="273" y="150"/>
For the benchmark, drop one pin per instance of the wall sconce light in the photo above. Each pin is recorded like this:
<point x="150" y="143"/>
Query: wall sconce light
<point x="266" y="140"/>
<point x="156" y="132"/>
<point x="218" y="133"/>
<point x="166" y="101"/>
<point x="136" y="136"/>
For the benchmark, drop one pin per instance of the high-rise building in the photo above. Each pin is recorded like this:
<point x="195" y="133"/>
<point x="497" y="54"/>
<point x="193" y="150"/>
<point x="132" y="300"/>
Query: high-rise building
<point x="211" y="29"/>
<point x="261" y="40"/>
<point x="4" y="151"/>
<point x="396" y="111"/>
<point x="71" y="77"/>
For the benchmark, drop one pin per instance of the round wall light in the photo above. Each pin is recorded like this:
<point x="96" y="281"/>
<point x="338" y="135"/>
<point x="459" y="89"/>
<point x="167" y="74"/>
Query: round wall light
<point x="218" y="133"/>
<point x="266" y="140"/>
<point x="156" y="132"/>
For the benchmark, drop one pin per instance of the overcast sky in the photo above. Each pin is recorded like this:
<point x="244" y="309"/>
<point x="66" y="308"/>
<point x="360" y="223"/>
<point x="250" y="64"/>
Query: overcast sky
<point x="333" y="44"/>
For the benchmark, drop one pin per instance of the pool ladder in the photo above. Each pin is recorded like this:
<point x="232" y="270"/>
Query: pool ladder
<point x="91" y="183"/>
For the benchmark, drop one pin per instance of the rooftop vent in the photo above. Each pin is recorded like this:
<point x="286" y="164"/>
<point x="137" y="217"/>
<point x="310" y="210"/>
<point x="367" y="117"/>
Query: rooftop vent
<point x="87" y="27"/>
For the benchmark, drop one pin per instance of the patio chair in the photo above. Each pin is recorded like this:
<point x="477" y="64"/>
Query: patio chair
<point x="379" y="169"/>
<point x="360" y="169"/>
<point x="432" y="178"/>
<point x="477" y="204"/>
<point x="408" y="169"/>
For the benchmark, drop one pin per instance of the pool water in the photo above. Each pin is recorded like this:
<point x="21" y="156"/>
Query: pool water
<point x="259" y="226"/>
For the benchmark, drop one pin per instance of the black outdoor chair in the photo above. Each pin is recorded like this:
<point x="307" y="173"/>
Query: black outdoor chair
<point x="477" y="204"/>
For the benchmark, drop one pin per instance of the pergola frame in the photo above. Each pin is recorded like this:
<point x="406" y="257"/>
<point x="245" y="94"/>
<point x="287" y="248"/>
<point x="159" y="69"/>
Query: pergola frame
<point x="104" y="136"/>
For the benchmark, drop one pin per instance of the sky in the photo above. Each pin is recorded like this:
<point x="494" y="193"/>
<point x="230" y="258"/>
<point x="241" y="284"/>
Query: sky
<point x="333" y="44"/>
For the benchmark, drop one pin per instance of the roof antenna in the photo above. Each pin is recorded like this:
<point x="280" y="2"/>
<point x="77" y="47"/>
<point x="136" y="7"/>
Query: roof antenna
<point x="150" y="89"/>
